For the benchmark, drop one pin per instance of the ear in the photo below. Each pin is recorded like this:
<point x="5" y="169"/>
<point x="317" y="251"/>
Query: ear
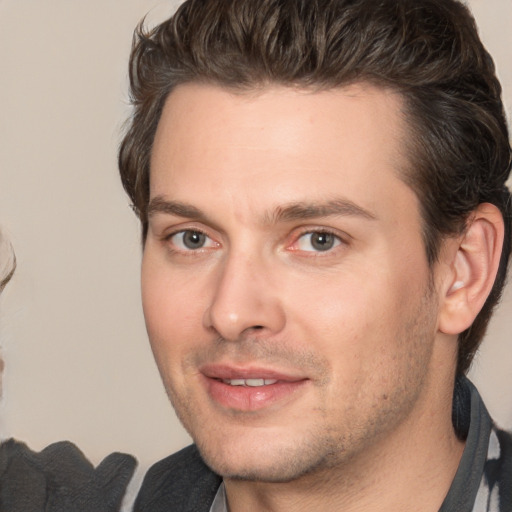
<point x="472" y="267"/>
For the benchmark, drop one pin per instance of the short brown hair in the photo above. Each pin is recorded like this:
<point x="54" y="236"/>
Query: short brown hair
<point x="427" y="50"/>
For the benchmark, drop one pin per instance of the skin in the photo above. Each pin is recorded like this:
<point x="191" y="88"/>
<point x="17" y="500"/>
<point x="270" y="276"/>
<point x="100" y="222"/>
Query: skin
<point x="363" y="420"/>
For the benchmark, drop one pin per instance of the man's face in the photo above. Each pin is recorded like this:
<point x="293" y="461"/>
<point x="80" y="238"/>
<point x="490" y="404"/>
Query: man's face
<point x="286" y="290"/>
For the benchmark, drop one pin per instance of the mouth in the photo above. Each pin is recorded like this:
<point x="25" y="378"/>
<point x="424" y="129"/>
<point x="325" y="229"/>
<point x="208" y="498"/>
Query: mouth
<point x="250" y="389"/>
<point x="253" y="383"/>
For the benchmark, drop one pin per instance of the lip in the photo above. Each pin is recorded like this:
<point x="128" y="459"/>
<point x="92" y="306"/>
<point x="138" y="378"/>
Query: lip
<point x="247" y="398"/>
<point x="226" y="371"/>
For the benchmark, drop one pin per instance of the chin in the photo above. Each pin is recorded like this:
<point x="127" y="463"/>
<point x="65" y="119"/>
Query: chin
<point x="270" y="462"/>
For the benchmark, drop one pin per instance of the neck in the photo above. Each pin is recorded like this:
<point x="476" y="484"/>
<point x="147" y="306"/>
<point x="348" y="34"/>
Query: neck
<point x="411" y="469"/>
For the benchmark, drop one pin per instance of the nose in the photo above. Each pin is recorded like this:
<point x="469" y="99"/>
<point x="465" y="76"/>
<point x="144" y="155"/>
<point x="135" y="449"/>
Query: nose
<point x="245" y="299"/>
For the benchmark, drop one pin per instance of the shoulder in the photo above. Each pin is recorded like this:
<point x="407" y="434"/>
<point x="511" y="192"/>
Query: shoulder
<point x="498" y="470"/>
<point x="181" y="481"/>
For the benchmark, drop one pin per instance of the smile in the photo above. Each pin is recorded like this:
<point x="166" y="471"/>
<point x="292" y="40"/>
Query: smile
<point x="247" y="388"/>
<point x="254" y="383"/>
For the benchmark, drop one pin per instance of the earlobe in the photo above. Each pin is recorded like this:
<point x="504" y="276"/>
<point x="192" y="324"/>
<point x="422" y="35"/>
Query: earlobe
<point x="472" y="269"/>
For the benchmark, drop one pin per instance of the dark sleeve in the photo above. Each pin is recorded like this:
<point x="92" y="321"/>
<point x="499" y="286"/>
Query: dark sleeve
<point x="181" y="483"/>
<point x="61" y="479"/>
<point x="504" y="473"/>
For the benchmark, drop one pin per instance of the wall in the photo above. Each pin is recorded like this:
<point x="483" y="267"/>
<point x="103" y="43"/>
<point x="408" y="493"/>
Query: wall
<point x="78" y="365"/>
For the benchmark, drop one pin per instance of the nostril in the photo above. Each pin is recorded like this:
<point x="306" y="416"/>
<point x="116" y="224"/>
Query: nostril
<point x="257" y="327"/>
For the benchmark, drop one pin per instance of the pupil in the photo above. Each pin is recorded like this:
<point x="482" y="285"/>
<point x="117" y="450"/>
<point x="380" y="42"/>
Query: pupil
<point x="193" y="239"/>
<point x="322" y="241"/>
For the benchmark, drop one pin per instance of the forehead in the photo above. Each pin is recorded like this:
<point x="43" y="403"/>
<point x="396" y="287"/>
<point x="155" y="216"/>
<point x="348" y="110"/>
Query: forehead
<point x="280" y="143"/>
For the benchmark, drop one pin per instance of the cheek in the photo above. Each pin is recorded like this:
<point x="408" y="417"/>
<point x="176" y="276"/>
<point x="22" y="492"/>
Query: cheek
<point x="335" y="310"/>
<point x="173" y="310"/>
<point x="335" y="318"/>
<point x="354" y="319"/>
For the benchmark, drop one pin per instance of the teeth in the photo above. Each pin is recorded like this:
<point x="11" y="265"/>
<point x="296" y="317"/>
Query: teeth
<point x="255" y="382"/>
<point x="249" y="382"/>
<point x="235" y="382"/>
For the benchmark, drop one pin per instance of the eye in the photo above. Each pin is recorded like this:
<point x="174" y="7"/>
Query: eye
<point x="318" y="241"/>
<point x="190" y="240"/>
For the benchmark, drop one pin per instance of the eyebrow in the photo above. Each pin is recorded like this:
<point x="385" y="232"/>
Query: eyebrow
<point x="300" y="210"/>
<point x="333" y="208"/>
<point x="160" y="205"/>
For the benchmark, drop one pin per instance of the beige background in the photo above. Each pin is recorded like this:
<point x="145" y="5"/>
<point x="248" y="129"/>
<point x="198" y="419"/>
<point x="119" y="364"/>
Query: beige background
<point x="78" y="365"/>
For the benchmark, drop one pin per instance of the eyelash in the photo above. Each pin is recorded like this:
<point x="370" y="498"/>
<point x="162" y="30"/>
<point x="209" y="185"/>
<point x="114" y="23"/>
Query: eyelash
<point x="338" y="240"/>
<point x="168" y="238"/>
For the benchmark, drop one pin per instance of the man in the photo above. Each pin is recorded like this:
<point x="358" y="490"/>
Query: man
<point x="326" y="230"/>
